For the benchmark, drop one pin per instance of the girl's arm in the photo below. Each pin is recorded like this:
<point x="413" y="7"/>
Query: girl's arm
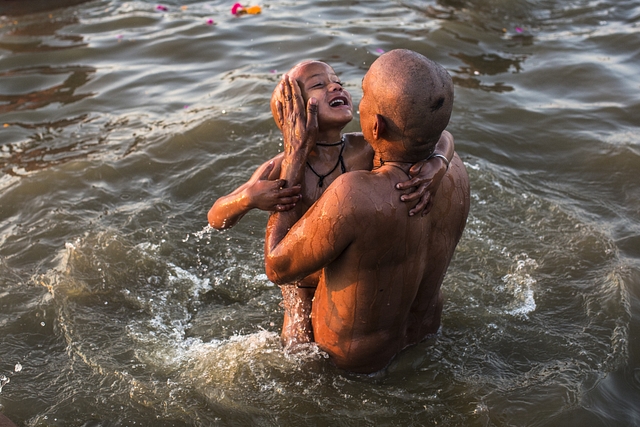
<point x="427" y="175"/>
<point x="263" y="191"/>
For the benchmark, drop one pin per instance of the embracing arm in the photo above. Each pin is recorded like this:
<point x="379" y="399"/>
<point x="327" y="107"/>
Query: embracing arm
<point x="262" y="191"/>
<point x="427" y="175"/>
<point x="322" y="234"/>
<point x="445" y="146"/>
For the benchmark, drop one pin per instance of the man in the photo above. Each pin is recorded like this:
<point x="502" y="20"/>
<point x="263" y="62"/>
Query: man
<point x="381" y="269"/>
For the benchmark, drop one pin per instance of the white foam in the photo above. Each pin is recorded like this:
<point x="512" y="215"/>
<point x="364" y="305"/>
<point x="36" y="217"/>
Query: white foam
<point x="520" y="284"/>
<point x="198" y="285"/>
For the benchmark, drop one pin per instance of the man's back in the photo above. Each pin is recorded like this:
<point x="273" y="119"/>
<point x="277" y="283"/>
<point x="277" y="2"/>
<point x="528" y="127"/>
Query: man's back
<point x="382" y="293"/>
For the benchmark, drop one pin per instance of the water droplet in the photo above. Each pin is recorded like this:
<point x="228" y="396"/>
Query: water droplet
<point x="18" y="367"/>
<point x="3" y="380"/>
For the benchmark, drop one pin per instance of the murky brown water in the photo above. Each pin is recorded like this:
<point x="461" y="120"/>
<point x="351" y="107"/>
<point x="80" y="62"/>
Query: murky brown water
<point x="122" y="123"/>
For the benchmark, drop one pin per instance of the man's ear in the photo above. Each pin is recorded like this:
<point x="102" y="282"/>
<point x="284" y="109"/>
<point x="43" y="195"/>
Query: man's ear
<point x="379" y="126"/>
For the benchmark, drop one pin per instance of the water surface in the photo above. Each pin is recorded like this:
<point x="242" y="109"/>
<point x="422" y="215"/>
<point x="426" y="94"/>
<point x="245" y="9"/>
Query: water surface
<point x="122" y="123"/>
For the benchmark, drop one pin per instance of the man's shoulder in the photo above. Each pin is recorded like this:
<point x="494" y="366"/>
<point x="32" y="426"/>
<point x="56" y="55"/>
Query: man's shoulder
<point x="350" y="181"/>
<point x="453" y="200"/>
<point x="358" y="189"/>
<point x="350" y="200"/>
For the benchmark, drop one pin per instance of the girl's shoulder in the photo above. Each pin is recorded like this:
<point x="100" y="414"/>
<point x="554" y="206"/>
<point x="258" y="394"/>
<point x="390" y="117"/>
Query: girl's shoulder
<point x="354" y="139"/>
<point x="358" y="153"/>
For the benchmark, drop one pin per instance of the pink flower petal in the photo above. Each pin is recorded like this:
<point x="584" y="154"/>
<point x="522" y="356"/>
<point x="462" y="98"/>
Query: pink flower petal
<point x="234" y="9"/>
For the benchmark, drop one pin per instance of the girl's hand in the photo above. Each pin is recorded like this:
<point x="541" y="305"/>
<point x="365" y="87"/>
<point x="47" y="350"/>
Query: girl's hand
<point x="269" y="195"/>
<point x="426" y="177"/>
<point x="299" y="127"/>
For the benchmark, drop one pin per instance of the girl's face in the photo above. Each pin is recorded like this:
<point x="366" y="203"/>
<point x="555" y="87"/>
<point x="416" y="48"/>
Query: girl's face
<point x="318" y="80"/>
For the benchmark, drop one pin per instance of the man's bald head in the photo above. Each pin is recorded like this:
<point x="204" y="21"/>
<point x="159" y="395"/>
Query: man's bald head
<point x="413" y="94"/>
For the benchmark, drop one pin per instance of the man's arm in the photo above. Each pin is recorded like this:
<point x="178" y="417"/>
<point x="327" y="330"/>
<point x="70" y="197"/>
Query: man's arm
<point x="314" y="240"/>
<point x="262" y="192"/>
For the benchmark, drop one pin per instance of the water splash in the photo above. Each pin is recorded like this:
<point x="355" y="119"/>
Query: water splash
<point x="520" y="284"/>
<point x="4" y="380"/>
<point x="199" y="235"/>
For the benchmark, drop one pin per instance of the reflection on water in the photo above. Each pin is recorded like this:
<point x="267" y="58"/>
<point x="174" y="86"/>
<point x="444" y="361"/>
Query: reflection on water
<point x="23" y="7"/>
<point x="485" y="64"/>
<point x="39" y="87"/>
<point x="43" y="147"/>
<point x="38" y="35"/>
<point x="62" y="93"/>
<point x="472" y="83"/>
<point x="122" y="123"/>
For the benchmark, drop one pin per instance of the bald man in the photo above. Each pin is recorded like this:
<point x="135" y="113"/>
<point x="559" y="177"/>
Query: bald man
<point x="382" y="269"/>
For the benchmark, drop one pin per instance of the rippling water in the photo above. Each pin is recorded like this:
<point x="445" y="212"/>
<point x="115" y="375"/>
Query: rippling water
<point x="122" y="123"/>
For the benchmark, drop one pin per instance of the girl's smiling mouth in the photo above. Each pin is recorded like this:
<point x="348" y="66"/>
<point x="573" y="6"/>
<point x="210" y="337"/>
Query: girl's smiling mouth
<point x="339" y="102"/>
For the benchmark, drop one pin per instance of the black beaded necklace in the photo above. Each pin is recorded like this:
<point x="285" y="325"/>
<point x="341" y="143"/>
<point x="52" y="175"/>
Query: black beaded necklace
<point x="339" y="162"/>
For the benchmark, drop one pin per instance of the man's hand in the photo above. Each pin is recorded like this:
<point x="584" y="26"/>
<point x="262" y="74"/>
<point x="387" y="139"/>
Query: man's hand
<point x="269" y="195"/>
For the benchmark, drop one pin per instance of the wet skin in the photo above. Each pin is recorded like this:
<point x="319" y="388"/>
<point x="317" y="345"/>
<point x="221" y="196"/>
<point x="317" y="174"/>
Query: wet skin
<point x="382" y="269"/>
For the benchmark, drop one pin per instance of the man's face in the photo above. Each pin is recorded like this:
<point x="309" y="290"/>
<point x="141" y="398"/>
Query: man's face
<point x="318" y="80"/>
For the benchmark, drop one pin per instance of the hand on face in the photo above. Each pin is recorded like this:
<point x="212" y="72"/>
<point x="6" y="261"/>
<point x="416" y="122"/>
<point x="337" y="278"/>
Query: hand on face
<point x="318" y="80"/>
<point x="299" y="128"/>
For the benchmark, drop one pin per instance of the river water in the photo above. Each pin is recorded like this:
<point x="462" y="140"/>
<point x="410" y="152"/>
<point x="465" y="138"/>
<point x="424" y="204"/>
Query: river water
<point x="122" y="122"/>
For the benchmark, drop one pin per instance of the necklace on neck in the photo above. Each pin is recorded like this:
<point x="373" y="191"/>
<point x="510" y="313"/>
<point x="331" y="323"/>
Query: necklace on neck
<point x="333" y="144"/>
<point x="339" y="162"/>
